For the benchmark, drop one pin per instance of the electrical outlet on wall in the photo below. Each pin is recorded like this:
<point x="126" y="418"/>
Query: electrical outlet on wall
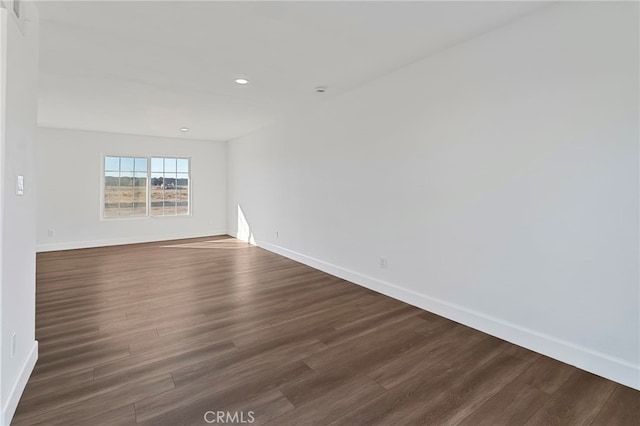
<point x="383" y="262"/>
<point x="51" y="233"/>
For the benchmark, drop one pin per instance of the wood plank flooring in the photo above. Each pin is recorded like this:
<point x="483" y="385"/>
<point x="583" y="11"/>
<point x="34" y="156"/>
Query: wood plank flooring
<point x="160" y="333"/>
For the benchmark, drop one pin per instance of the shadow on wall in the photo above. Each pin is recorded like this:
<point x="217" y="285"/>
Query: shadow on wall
<point x="244" y="230"/>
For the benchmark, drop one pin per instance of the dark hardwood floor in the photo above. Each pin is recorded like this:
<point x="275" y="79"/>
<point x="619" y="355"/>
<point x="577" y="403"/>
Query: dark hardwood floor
<point x="162" y="333"/>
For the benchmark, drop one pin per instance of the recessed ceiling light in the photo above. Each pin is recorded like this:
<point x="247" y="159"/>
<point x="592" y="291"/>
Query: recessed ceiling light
<point x="184" y="129"/>
<point x="242" y="80"/>
<point x="321" y="89"/>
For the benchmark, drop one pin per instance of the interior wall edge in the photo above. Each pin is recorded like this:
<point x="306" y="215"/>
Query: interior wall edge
<point x="18" y="387"/>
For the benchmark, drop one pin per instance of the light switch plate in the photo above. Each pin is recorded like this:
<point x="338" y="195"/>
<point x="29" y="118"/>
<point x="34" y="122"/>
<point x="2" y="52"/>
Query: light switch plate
<point x="20" y="185"/>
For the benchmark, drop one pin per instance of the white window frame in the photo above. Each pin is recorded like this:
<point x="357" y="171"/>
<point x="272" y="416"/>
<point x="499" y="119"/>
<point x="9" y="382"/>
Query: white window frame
<point x="150" y="172"/>
<point x="148" y="215"/>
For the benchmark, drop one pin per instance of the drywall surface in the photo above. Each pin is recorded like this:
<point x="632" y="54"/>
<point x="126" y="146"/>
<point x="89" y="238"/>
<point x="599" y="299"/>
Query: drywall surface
<point x="19" y="96"/>
<point x="497" y="179"/>
<point x="69" y="169"/>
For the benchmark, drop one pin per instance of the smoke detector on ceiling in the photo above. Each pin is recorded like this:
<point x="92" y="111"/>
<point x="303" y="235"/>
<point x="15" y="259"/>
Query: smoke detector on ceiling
<point x="321" y="89"/>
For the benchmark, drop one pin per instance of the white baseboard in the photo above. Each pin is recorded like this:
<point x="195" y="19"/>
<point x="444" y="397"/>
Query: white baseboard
<point x="595" y="362"/>
<point x="18" y="387"/>
<point x="72" y="245"/>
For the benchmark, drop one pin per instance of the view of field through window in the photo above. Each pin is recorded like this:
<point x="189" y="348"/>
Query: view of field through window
<point x="169" y="186"/>
<point x="125" y="186"/>
<point x="128" y="190"/>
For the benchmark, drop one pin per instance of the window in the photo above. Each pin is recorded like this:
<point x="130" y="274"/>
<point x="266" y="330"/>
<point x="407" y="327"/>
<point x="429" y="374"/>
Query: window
<point x="125" y="186"/>
<point x="169" y="186"/>
<point x="138" y="186"/>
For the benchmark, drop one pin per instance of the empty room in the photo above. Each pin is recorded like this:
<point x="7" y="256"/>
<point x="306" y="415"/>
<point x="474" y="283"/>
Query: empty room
<point x="319" y="213"/>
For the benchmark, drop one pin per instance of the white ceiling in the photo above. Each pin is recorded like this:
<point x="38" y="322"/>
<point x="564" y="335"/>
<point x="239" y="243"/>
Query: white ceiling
<point x="152" y="67"/>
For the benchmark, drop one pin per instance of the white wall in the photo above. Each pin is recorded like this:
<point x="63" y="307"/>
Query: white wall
<point x="19" y="67"/>
<point x="499" y="179"/>
<point x="73" y="210"/>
